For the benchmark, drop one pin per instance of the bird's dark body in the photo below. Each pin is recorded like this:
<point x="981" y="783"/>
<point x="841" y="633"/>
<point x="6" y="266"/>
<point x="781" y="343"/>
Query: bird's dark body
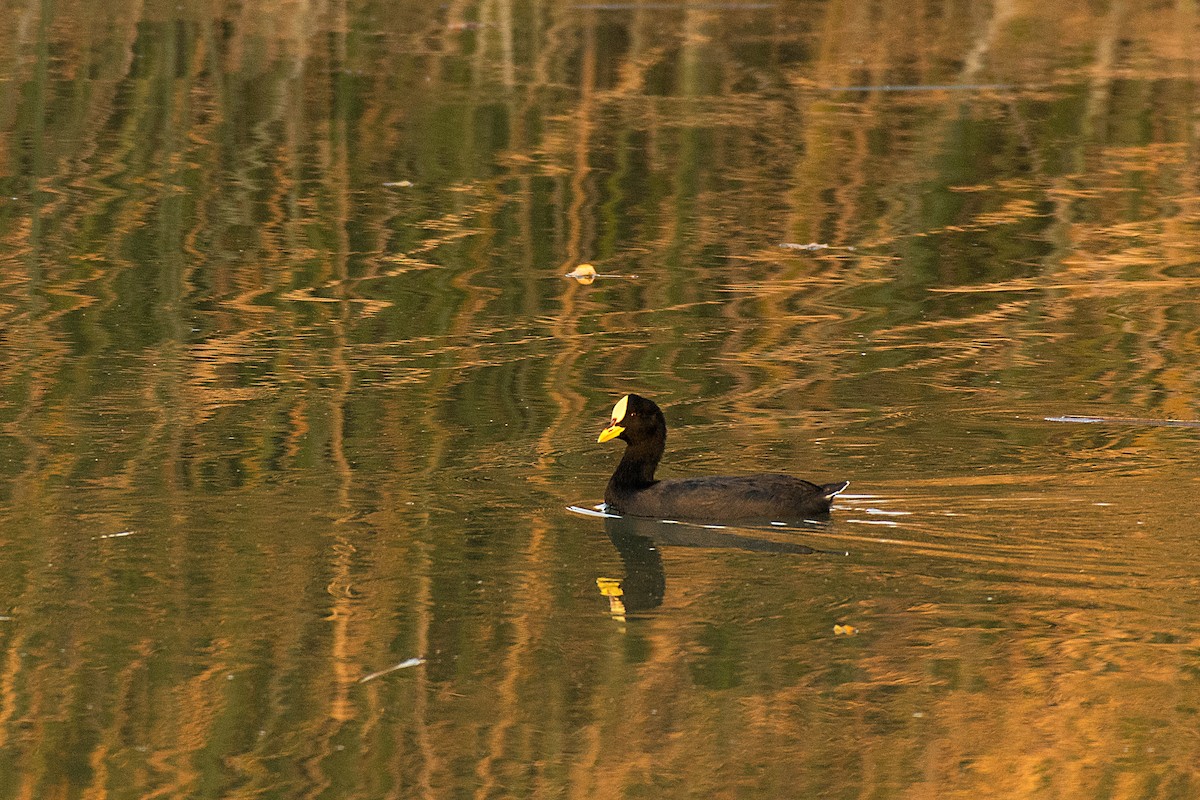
<point x="632" y="490"/>
<point x="766" y="496"/>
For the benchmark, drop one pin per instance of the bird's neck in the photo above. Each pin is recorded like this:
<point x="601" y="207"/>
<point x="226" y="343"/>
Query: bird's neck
<point x="637" y="466"/>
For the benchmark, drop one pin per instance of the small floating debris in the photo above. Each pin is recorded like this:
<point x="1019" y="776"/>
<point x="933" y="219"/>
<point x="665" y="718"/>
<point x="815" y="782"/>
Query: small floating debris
<point x="812" y="247"/>
<point x="399" y="185"/>
<point x="586" y="274"/>
<point x="411" y="662"/>
<point x="924" y="87"/>
<point x="1158" y="423"/>
<point x="672" y="6"/>
<point x="113" y="535"/>
<point x="844" y="630"/>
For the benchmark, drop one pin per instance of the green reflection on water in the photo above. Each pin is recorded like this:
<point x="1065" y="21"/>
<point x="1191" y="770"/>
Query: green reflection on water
<point x="293" y="390"/>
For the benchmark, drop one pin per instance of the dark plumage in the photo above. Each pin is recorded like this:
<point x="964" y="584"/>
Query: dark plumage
<point x="633" y="490"/>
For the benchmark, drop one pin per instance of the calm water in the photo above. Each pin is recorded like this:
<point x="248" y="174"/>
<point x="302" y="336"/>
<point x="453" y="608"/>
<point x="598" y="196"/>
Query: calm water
<point x="294" y="392"/>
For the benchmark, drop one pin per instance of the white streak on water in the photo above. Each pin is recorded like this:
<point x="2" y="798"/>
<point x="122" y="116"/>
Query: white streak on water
<point x="411" y="662"/>
<point x="589" y="512"/>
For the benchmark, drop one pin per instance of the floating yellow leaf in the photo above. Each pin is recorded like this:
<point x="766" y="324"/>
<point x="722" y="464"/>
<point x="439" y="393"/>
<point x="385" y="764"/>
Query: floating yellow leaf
<point x="584" y="273"/>
<point x="844" y="630"/>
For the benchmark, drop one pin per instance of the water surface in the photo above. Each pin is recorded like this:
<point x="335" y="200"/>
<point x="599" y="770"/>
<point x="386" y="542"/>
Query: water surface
<point x="294" y="392"/>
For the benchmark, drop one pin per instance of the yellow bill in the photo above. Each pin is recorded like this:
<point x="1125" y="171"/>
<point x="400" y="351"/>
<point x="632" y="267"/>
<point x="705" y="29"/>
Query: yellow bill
<point x="618" y="415"/>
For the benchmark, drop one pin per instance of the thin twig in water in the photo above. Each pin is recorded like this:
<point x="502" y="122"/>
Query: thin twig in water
<point x="411" y="662"/>
<point x="1159" y="423"/>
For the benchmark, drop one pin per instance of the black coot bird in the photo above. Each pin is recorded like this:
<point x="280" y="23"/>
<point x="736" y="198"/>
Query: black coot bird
<point x="632" y="489"/>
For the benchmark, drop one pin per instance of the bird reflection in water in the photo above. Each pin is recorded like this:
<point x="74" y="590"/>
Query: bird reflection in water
<point x="639" y="541"/>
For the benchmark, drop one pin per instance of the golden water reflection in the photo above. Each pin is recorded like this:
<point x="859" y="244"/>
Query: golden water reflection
<point x="293" y="391"/>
